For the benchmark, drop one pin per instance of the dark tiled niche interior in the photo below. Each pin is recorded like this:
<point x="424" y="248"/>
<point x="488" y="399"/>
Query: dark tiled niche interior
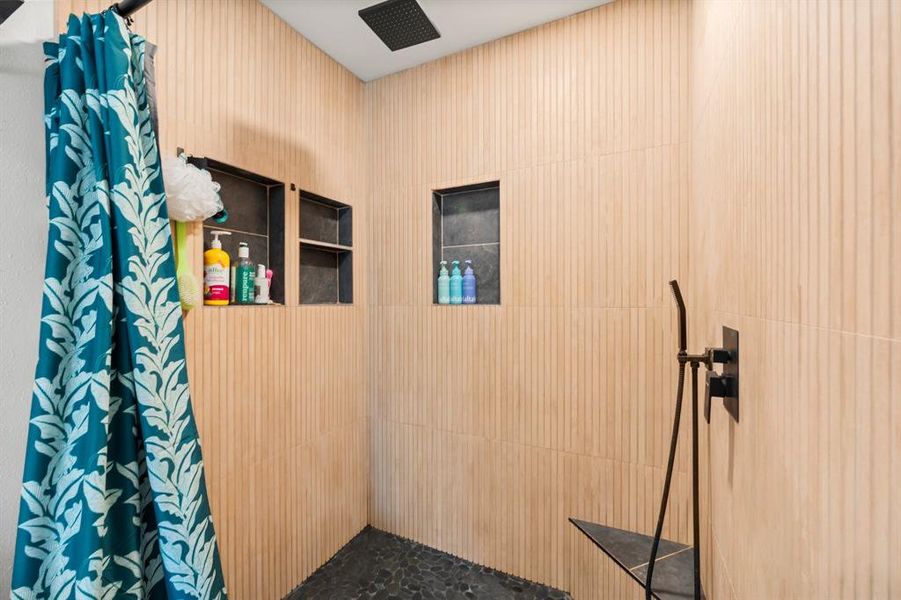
<point x="466" y="226"/>
<point x="375" y="564"/>
<point x="326" y="251"/>
<point x="256" y="215"/>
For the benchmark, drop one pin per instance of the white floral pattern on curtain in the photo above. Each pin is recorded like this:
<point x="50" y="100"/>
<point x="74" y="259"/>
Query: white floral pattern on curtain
<point x="113" y="498"/>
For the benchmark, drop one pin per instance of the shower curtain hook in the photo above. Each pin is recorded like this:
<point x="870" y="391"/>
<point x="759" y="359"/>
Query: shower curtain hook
<point x="114" y="7"/>
<point x="126" y="8"/>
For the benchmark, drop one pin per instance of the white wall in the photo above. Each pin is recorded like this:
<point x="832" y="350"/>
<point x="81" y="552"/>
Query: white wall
<point x="23" y="239"/>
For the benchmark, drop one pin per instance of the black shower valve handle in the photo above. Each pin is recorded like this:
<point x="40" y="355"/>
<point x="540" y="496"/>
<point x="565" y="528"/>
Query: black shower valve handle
<point x="717" y="386"/>
<point x="719" y="356"/>
<point x="707" y="400"/>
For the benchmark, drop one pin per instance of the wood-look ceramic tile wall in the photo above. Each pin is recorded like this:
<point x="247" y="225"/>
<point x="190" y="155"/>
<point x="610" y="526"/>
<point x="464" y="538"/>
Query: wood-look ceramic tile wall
<point x="796" y="242"/>
<point x="490" y="425"/>
<point x="279" y="392"/>
<point x="493" y="424"/>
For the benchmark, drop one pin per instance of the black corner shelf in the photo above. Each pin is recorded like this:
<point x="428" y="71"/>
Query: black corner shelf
<point x="673" y="571"/>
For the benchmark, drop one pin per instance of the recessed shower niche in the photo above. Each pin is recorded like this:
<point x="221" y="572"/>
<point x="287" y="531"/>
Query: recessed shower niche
<point x="326" y="251"/>
<point x="256" y="215"/>
<point x="466" y="226"/>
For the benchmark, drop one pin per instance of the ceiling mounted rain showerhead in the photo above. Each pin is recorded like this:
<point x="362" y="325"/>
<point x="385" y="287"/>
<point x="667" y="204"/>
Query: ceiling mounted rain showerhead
<point x="399" y="23"/>
<point x="8" y="7"/>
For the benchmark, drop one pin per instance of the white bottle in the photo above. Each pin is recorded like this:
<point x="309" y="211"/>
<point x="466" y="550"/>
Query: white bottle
<point x="261" y="286"/>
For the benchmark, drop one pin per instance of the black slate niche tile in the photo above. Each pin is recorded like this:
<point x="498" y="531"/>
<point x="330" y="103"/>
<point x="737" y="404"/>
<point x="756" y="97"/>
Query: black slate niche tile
<point x="345" y="277"/>
<point x="256" y="244"/>
<point x="277" y="243"/>
<point x="318" y="222"/>
<point x="247" y="203"/>
<point x="436" y="244"/>
<point x="471" y="217"/>
<point x="346" y="226"/>
<point x="318" y="276"/>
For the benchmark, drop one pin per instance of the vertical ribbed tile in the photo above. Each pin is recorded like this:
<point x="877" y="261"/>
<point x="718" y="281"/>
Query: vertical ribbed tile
<point x="794" y="222"/>
<point x="492" y="425"/>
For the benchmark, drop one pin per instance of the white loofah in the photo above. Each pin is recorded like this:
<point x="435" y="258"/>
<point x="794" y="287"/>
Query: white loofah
<point x="191" y="193"/>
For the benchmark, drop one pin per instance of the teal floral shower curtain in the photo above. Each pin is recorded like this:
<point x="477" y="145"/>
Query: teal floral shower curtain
<point x="113" y="499"/>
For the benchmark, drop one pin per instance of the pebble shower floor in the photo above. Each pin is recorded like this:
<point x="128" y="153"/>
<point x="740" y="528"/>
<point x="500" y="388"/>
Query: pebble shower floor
<point x="375" y="564"/>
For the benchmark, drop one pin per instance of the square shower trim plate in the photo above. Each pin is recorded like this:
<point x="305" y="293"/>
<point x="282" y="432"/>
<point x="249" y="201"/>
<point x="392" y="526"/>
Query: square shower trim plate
<point x="730" y="369"/>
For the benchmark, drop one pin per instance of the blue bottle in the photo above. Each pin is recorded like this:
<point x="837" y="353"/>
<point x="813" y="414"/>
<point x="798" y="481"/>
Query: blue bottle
<point x="456" y="284"/>
<point x="469" y="284"/>
<point x="443" y="284"/>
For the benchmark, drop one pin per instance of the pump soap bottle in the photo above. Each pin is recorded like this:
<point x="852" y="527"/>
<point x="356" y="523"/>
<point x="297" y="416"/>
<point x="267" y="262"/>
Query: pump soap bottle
<point x="261" y="286"/>
<point x="443" y="284"/>
<point x="469" y="284"/>
<point x="456" y="284"/>
<point x="244" y="276"/>
<point x="216" y="272"/>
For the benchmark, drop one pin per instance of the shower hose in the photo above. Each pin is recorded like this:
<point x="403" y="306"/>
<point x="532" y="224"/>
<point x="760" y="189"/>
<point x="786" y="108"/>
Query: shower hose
<point x="666" y="483"/>
<point x="669" y="475"/>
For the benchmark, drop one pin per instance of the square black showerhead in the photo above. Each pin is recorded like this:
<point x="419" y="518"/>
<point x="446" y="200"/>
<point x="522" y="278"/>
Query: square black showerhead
<point x="8" y="7"/>
<point x="399" y="23"/>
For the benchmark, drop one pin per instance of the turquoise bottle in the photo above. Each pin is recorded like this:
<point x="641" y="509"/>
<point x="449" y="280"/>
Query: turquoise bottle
<point x="456" y="284"/>
<point x="443" y="284"/>
<point x="469" y="284"/>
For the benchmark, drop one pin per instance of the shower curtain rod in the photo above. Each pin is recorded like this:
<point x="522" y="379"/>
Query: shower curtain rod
<point x="126" y="8"/>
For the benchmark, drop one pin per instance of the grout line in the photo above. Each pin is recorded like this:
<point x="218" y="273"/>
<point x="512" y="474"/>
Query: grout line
<point x="660" y="558"/>
<point x="262" y="235"/>
<point x="510" y="442"/>
<point x="805" y="325"/>
<point x="473" y="245"/>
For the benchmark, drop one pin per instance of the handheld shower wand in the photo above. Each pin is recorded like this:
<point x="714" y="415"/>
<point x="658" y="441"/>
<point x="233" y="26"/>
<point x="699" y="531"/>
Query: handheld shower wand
<point x="674" y="439"/>
<point x="680" y="306"/>
<point x="725" y="386"/>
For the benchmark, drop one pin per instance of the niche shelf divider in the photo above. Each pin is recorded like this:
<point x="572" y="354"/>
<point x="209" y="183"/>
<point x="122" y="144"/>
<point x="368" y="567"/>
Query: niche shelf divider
<point x="326" y="250"/>
<point x="256" y="215"/>
<point x="325" y="245"/>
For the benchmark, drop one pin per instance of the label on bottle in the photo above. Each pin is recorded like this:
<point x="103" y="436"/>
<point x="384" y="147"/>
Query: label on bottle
<point x="244" y="285"/>
<point x="456" y="292"/>
<point x="215" y="282"/>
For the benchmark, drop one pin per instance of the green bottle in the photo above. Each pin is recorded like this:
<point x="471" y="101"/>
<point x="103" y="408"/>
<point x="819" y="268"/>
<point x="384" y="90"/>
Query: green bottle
<point x="244" y="276"/>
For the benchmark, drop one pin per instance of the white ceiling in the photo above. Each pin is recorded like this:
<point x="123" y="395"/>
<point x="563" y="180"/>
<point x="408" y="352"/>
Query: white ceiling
<point x="336" y="28"/>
